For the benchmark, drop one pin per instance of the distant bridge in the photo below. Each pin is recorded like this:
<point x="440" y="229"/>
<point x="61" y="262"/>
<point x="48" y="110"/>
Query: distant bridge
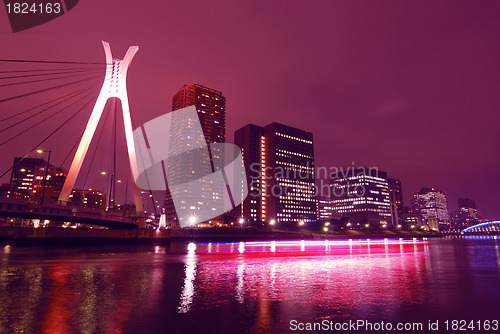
<point x="484" y="228"/>
<point x="16" y="208"/>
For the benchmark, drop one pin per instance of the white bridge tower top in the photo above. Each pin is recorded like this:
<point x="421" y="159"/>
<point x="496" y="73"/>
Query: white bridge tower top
<point x="114" y="86"/>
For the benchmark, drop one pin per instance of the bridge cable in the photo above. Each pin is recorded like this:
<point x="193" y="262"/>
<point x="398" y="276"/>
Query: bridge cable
<point x="97" y="145"/>
<point x="48" y="89"/>
<point x="46" y="79"/>
<point x="48" y="74"/>
<point x="44" y="110"/>
<point x="40" y="122"/>
<point x="38" y="106"/>
<point x="49" y="62"/>
<point x="112" y="186"/>
<point x="51" y="69"/>
<point x="74" y="146"/>
<point x="51" y="134"/>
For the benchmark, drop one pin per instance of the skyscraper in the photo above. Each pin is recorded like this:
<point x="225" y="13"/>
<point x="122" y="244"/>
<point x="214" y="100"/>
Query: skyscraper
<point x="431" y="204"/>
<point x="279" y="161"/>
<point x="210" y="105"/>
<point x="396" y="196"/>
<point x="248" y="140"/>
<point x="362" y="196"/>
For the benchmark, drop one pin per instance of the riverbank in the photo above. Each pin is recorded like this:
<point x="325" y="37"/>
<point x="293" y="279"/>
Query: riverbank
<point x="70" y="236"/>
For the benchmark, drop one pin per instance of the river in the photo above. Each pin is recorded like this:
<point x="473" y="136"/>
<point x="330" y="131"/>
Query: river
<point x="268" y="287"/>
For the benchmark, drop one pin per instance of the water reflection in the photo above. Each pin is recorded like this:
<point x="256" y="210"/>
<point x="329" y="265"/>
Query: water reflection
<point x="243" y="286"/>
<point x="188" y="290"/>
<point x="17" y="311"/>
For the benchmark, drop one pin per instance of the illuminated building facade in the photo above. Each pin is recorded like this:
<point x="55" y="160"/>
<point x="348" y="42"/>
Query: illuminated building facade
<point x="23" y="176"/>
<point x="210" y="105"/>
<point x="431" y="204"/>
<point x="279" y="161"/>
<point x="56" y="177"/>
<point x="27" y="180"/>
<point x="396" y="196"/>
<point x="362" y="196"/>
<point x="248" y="139"/>
<point x="88" y="198"/>
<point x="324" y="205"/>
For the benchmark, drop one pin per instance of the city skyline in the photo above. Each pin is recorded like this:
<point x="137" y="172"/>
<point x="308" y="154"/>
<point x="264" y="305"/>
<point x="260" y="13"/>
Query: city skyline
<point x="417" y="103"/>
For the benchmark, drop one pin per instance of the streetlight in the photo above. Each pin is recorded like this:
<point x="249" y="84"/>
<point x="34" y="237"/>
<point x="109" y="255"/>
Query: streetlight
<point x="46" y="174"/>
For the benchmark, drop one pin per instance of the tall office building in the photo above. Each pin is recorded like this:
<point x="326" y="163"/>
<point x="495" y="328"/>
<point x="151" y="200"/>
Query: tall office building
<point x="396" y="197"/>
<point x="279" y="162"/>
<point x="431" y="204"/>
<point x="362" y="196"/>
<point x="248" y="140"/>
<point x="210" y="105"/>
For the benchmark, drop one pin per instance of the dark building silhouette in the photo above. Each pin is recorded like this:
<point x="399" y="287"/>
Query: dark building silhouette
<point x="411" y="219"/>
<point x="466" y="216"/>
<point x="396" y="197"/>
<point x="88" y="198"/>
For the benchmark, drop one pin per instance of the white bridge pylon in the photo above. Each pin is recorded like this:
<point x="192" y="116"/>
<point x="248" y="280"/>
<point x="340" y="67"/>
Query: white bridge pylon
<point x="114" y="86"/>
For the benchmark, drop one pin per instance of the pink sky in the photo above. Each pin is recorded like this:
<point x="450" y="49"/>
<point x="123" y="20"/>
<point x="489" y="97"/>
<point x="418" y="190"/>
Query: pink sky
<point x="409" y="87"/>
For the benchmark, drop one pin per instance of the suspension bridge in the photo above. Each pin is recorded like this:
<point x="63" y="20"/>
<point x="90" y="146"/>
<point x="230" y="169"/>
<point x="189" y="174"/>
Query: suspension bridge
<point x="70" y="110"/>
